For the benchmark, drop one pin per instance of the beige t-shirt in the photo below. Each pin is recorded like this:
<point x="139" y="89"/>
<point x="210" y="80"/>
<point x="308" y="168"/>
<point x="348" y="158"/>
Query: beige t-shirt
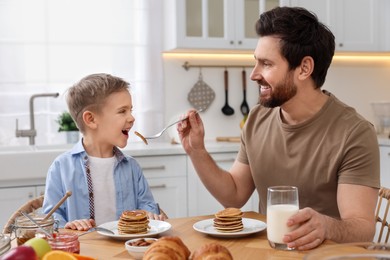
<point x="335" y="146"/>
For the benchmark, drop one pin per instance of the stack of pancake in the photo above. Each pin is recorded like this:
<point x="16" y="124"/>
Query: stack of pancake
<point x="228" y="220"/>
<point x="133" y="222"/>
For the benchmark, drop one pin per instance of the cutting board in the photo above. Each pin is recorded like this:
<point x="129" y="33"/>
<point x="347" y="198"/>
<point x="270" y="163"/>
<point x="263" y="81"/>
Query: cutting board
<point x="232" y="139"/>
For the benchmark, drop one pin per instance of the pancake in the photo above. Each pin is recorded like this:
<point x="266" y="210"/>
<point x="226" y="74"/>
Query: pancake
<point x="141" y="136"/>
<point x="228" y="220"/>
<point x="133" y="222"/>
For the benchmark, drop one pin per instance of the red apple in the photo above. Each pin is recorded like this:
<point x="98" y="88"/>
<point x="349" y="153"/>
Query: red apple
<point x="20" y="253"/>
<point x="40" y="246"/>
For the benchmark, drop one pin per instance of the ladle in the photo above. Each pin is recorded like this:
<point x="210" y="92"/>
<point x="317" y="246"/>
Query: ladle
<point x="67" y="194"/>
<point x="226" y="109"/>
<point x="244" y="105"/>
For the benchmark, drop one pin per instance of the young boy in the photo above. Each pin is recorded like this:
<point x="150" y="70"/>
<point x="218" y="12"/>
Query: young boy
<point x="104" y="182"/>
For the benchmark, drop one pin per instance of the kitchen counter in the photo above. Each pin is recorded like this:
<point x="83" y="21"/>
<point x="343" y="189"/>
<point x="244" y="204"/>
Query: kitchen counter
<point x="160" y="148"/>
<point x="384" y="140"/>
<point x="28" y="165"/>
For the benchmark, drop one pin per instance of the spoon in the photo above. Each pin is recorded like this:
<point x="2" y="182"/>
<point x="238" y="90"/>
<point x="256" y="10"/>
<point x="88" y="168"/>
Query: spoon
<point x="67" y="194"/>
<point x="105" y="230"/>
<point x="144" y="138"/>
<point x="226" y="109"/>
<point x="244" y="105"/>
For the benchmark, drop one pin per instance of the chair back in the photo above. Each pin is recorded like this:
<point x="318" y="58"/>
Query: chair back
<point x="28" y="207"/>
<point x="382" y="213"/>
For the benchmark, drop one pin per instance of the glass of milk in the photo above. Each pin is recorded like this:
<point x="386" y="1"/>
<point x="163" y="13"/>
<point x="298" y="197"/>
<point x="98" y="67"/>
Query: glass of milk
<point x="282" y="203"/>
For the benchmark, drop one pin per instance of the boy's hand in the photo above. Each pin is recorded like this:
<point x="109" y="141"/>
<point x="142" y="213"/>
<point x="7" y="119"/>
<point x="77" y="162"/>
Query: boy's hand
<point x="162" y="216"/>
<point x="81" y="224"/>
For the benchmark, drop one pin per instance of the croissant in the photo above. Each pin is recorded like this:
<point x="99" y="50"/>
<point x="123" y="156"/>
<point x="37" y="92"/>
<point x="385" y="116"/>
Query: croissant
<point x="212" y="251"/>
<point x="169" y="248"/>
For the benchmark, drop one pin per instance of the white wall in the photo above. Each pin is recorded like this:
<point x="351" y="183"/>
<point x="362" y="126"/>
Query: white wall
<point x="355" y="83"/>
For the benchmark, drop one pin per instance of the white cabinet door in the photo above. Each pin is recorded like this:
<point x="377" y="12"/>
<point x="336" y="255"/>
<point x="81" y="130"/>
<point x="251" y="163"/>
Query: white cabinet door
<point x="202" y="24"/>
<point x="385" y="165"/>
<point x="201" y="202"/>
<point x="171" y="194"/>
<point x="213" y="24"/>
<point x="11" y="199"/>
<point x="167" y="178"/>
<point x="356" y="24"/>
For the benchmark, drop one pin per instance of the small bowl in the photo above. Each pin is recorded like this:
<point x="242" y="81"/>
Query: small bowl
<point x="138" y="251"/>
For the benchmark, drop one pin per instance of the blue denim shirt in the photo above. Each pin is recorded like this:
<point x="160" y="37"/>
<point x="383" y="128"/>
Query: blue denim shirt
<point x="68" y="173"/>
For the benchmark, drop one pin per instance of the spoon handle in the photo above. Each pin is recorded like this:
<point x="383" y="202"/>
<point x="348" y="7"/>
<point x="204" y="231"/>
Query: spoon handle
<point x="67" y="194"/>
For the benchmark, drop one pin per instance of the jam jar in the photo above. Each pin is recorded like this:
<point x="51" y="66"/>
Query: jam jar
<point x="67" y="241"/>
<point x="25" y="229"/>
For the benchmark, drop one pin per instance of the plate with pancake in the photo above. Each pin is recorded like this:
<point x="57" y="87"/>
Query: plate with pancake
<point x="155" y="227"/>
<point x="250" y="226"/>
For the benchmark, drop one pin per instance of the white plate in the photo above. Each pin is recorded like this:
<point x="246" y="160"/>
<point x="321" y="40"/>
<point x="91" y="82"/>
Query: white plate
<point x="156" y="227"/>
<point x="250" y="226"/>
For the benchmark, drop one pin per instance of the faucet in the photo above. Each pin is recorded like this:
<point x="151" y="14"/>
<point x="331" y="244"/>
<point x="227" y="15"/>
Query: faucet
<point x="32" y="132"/>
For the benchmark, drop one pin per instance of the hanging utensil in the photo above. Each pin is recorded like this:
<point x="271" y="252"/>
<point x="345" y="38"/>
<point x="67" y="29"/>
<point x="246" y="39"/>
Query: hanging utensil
<point x="226" y="109"/>
<point x="201" y="94"/>
<point x="244" y="105"/>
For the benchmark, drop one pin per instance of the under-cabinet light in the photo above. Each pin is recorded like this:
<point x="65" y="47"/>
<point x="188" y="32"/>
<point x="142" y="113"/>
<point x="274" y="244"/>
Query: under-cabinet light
<point x="248" y="57"/>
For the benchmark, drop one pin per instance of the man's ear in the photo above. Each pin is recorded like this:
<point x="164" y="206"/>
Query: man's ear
<point x="306" y="68"/>
<point x="89" y="119"/>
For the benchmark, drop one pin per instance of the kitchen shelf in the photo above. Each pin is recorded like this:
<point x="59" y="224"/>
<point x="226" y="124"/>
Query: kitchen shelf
<point x="187" y="66"/>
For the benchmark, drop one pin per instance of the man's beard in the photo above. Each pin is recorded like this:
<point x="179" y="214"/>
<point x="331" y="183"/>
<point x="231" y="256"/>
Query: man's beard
<point x="279" y="94"/>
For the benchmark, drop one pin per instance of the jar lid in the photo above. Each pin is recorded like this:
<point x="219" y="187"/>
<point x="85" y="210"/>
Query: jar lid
<point x="23" y="222"/>
<point x="5" y="244"/>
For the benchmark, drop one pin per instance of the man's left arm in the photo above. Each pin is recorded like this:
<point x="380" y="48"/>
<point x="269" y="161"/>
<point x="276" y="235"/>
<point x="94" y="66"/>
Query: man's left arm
<point x="357" y="220"/>
<point x="357" y="212"/>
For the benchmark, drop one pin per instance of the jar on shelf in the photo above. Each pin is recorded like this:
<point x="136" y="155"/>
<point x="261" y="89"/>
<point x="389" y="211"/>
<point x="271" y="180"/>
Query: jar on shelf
<point x="68" y="242"/>
<point x="24" y="229"/>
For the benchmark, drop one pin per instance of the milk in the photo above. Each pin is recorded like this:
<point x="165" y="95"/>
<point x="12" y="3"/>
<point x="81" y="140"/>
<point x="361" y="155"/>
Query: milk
<point x="277" y="216"/>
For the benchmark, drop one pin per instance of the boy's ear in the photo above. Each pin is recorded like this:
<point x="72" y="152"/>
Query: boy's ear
<point x="89" y="119"/>
<point x="306" y="68"/>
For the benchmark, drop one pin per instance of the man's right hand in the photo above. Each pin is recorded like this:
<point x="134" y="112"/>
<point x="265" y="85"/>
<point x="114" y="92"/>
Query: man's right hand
<point x="191" y="132"/>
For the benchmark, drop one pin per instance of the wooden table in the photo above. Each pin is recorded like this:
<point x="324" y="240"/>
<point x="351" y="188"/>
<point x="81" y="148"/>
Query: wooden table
<point x="254" y="246"/>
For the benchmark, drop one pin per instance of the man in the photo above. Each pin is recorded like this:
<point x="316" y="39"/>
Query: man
<point x="298" y="135"/>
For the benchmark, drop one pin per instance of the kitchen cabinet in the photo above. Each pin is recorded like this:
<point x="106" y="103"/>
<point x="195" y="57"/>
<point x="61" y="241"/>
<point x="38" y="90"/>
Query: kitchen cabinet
<point x="358" y="25"/>
<point x="385" y="165"/>
<point x="200" y="201"/>
<point x="12" y="198"/>
<point x="167" y="178"/>
<point x="213" y="24"/>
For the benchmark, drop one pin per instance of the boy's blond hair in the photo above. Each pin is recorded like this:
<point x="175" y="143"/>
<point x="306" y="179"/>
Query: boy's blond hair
<point x="90" y="93"/>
